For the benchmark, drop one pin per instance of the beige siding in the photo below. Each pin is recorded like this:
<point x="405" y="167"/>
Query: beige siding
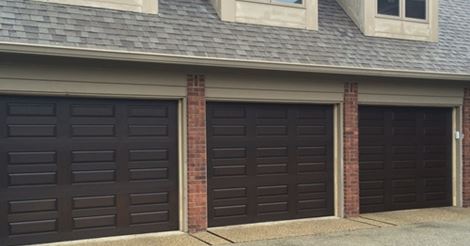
<point x="58" y="76"/>
<point x="273" y="15"/>
<point x="265" y="12"/>
<point x="272" y="86"/>
<point x="355" y="9"/>
<point x="403" y="92"/>
<point x="144" y="6"/>
<point x="217" y="6"/>
<point x="91" y="79"/>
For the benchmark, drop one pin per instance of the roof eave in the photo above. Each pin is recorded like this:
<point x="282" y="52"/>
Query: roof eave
<point x="91" y="53"/>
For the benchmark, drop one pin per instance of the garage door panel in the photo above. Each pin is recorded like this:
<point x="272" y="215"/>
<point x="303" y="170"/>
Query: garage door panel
<point x="403" y="163"/>
<point x="373" y="141"/>
<point x="403" y="127"/>
<point x="312" y="179"/>
<point x="93" y="216"/>
<point x="272" y="169"/>
<point x="402" y="140"/>
<point x="312" y="162"/>
<point x="435" y="199"/>
<point x="230" y="210"/>
<point x="373" y="165"/>
<point x="272" y="207"/>
<point x="373" y="197"/>
<point x="372" y="185"/>
<point x="272" y="204"/>
<point x="149" y="129"/>
<point x="433" y="132"/>
<point x="238" y="182"/>
<point x="124" y="182"/>
<point x="374" y="201"/>
<point x="271" y="149"/>
<point x="373" y="158"/>
<point x="367" y="175"/>
<point x="20" y="218"/>
<point x="271" y="128"/>
<point x="227" y="171"/>
<point x="281" y="190"/>
<point x="300" y="140"/>
<point x="317" y="202"/>
<point x="407" y="159"/>
<point x="227" y="202"/>
<point x="30" y="120"/>
<point x="311" y="186"/>
<point x="320" y="194"/>
<point x="85" y="121"/>
<point x="308" y="167"/>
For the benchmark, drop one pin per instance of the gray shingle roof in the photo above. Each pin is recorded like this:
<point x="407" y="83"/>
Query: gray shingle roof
<point x="191" y="27"/>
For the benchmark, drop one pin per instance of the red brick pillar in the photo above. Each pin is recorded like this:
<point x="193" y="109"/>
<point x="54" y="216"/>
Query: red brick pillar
<point x="197" y="159"/>
<point x="466" y="149"/>
<point x="351" y="150"/>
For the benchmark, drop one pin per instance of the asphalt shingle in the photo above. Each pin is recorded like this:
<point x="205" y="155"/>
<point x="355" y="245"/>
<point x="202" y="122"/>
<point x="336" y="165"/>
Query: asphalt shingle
<point x="192" y="27"/>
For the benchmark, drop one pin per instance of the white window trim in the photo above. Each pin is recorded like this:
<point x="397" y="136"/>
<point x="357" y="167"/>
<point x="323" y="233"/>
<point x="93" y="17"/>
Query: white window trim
<point x="402" y="15"/>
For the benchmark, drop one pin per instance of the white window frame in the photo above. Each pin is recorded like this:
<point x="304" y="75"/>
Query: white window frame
<point x="402" y="13"/>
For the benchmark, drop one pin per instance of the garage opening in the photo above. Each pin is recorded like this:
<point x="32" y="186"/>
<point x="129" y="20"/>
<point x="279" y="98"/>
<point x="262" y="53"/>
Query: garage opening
<point x="269" y="162"/>
<point x="405" y="158"/>
<point x="84" y="168"/>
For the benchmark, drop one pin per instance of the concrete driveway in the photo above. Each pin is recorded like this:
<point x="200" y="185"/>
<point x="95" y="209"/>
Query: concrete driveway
<point x="455" y="233"/>
<point x="437" y="226"/>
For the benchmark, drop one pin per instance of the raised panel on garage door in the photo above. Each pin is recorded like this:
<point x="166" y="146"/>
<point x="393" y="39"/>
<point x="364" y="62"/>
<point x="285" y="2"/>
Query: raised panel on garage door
<point x="269" y="162"/>
<point x="83" y="168"/>
<point x="405" y="158"/>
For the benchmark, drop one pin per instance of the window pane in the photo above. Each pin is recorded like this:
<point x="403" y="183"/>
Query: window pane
<point x="389" y="7"/>
<point x="288" y="1"/>
<point x="416" y="9"/>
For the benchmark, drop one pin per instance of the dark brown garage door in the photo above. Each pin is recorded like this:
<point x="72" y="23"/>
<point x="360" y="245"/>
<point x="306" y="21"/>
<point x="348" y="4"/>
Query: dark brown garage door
<point x="405" y="158"/>
<point x="80" y="168"/>
<point x="269" y="162"/>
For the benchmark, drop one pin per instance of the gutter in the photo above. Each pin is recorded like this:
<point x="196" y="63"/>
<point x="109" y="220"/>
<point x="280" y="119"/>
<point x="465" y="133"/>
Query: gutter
<point x="92" y="53"/>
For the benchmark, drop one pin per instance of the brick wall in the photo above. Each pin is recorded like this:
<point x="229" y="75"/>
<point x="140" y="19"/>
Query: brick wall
<point x="351" y="150"/>
<point x="466" y="149"/>
<point x="197" y="160"/>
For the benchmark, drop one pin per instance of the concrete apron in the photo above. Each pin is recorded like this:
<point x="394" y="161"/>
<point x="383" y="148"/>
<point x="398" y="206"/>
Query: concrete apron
<point x="418" y="216"/>
<point x="312" y="227"/>
<point x="277" y="230"/>
<point x="163" y="238"/>
<point x="295" y="228"/>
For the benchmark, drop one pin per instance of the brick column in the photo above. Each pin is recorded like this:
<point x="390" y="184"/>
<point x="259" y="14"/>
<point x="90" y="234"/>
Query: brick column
<point x="197" y="159"/>
<point x="351" y="150"/>
<point x="466" y="149"/>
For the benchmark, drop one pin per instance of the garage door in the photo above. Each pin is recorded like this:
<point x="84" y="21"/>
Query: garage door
<point x="405" y="158"/>
<point x="269" y="162"/>
<point x="82" y="168"/>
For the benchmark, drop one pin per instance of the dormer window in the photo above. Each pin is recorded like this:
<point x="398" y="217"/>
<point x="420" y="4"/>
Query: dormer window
<point x="414" y="9"/>
<point x="141" y="6"/>
<point x="389" y="7"/>
<point x="301" y="14"/>
<point x="402" y="19"/>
